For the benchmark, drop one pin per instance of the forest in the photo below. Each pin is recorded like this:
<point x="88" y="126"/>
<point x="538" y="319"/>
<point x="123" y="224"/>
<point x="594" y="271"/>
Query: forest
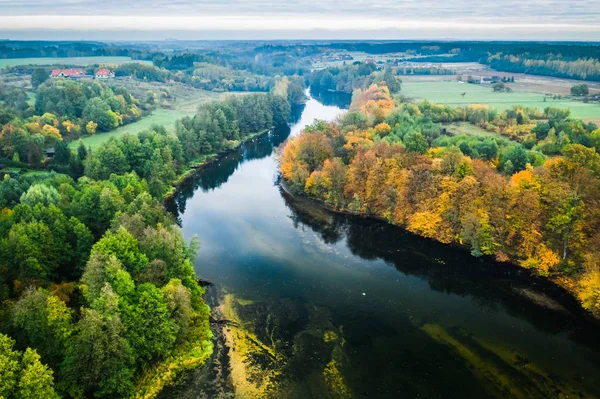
<point x="530" y="199"/>
<point x="98" y="291"/>
<point x="348" y="78"/>
<point x="97" y="286"/>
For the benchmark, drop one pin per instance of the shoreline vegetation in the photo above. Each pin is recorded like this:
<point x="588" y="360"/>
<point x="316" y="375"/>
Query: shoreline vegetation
<point x="550" y="302"/>
<point x="196" y="167"/>
<point x="536" y="215"/>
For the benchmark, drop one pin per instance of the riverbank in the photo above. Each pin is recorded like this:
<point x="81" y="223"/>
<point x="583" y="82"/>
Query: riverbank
<point x="197" y="166"/>
<point x="562" y="298"/>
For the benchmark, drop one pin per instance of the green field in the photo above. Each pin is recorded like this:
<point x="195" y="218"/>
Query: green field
<point x="446" y="92"/>
<point x="186" y="104"/>
<point x="163" y="117"/>
<point x="458" y="128"/>
<point x="79" y="61"/>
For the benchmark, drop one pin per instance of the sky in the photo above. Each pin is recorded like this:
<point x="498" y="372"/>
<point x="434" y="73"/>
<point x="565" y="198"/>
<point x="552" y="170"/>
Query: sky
<point x="295" y="19"/>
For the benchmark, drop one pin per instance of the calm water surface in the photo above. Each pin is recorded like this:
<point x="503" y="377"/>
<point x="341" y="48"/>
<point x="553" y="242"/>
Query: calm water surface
<point x="398" y="316"/>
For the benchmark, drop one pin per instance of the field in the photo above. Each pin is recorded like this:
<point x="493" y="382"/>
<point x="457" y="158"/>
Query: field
<point x="184" y="102"/>
<point x="361" y="56"/>
<point x="163" y="117"/>
<point x="78" y="61"/>
<point x="458" y="128"/>
<point x="449" y="92"/>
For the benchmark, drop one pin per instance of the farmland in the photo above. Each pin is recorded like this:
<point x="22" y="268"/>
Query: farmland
<point x="77" y="61"/>
<point x="450" y="92"/>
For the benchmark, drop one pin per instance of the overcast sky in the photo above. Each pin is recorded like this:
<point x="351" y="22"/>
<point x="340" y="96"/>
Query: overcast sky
<point x="306" y="19"/>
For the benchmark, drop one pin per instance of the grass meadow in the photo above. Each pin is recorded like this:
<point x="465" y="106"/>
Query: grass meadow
<point x="185" y="101"/>
<point x="448" y="92"/>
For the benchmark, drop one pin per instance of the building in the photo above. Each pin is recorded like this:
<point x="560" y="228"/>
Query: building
<point x="370" y="61"/>
<point x="68" y="73"/>
<point x="104" y="73"/>
<point x="492" y="80"/>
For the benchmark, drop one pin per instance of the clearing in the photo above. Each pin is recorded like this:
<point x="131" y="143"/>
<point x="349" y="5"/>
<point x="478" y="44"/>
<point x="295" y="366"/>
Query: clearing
<point x="458" y="128"/>
<point x="78" y="61"/>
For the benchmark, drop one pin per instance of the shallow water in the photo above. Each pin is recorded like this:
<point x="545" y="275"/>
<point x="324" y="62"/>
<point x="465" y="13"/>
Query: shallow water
<point x="350" y="307"/>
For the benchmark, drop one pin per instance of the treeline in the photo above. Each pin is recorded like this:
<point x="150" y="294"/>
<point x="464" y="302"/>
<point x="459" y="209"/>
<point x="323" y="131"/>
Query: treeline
<point x="424" y="70"/>
<point x="581" y="68"/>
<point x="55" y="49"/>
<point x="568" y="50"/>
<point x="203" y="76"/>
<point x="493" y="196"/>
<point x="143" y="72"/>
<point x="348" y="78"/>
<point x="221" y="125"/>
<point x="86" y="106"/>
<point x="218" y="78"/>
<point x="559" y="59"/>
<point x="545" y="131"/>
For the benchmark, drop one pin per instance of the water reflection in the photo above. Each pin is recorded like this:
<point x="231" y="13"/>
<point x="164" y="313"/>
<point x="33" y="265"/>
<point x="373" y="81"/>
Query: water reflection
<point x="489" y="284"/>
<point x="372" y="310"/>
<point x="337" y="99"/>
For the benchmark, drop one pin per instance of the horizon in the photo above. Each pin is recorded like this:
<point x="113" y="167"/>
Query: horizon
<point x="312" y="20"/>
<point x="270" y="36"/>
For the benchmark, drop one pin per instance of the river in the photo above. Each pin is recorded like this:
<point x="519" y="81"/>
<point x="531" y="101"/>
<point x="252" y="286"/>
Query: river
<point x="337" y="306"/>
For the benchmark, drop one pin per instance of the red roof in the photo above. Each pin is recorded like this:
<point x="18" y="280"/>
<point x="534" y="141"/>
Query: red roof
<point x="103" y="72"/>
<point x="67" y="72"/>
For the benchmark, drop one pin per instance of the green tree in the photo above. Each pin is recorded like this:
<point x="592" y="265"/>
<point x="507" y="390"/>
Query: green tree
<point x="415" y="142"/>
<point x="518" y="157"/>
<point x="62" y="155"/>
<point x="124" y="247"/>
<point x="149" y="327"/>
<point x="99" y="361"/>
<point x="38" y="77"/>
<point x="107" y="159"/>
<point x="179" y="302"/>
<point x="22" y="375"/>
<point x="43" y="322"/>
<point x="40" y="194"/>
<point x="99" y="112"/>
<point x="393" y="83"/>
<point x="327" y="82"/>
<point x="30" y="252"/>
<point x="580" y="90"/>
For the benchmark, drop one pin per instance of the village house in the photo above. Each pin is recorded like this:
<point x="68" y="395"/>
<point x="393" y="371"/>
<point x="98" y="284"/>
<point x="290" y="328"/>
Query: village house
<point x="490" y="80"/>
<point x="104" y="73"/>
<point x="68" y="73"/>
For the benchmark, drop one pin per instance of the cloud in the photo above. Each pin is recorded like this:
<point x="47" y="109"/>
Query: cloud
<point x="453" y="16"/>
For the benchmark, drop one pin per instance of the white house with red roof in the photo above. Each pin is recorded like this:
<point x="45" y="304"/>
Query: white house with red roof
<point x="104" y="73"/>
<point x="67" y="73"/>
